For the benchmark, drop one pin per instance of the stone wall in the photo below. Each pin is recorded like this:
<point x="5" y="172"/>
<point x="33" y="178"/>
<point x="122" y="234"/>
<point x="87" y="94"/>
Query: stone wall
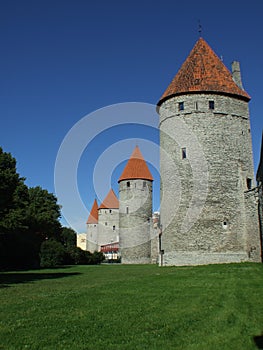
<point x="135" y="198"/>
<point x="204" y="212"/>
<point x="108" y="228"/>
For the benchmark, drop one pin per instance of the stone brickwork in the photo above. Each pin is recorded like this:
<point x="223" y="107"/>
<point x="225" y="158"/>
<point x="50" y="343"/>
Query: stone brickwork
<point x="227" y="227"/>
<point x="135" y="198"/>
<point x="108" y="228"/>
<point x="92" y="237"/>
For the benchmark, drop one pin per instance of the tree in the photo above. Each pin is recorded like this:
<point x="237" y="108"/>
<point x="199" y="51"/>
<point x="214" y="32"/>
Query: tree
<point x="52" y="254"/>
<point x="68" y="237"/>
<point x="43" y="213"/>
<point x="13" y="196"/>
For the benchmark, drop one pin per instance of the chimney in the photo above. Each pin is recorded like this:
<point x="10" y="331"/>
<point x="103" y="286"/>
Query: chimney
<point x="236" y="75"/>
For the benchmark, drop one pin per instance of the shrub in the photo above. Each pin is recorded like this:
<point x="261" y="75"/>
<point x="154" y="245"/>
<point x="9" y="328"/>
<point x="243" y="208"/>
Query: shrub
<point x="52" y="254"/>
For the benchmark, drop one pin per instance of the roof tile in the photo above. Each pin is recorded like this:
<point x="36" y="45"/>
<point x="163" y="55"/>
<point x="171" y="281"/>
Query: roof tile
<point x="203" y="71"/>
<point x="136" y="167"/>
<point x="93" y="216"/>
<point x="110" y="202"/>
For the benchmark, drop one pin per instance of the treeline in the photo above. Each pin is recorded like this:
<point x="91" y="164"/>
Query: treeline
<point x="31" y="235"/>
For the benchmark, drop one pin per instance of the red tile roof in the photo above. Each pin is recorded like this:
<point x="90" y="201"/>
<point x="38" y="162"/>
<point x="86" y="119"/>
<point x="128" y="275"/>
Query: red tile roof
<point x="203" y="71"/>
<point x="136" y="168"/>
<point x="110" y="202"/>
<point x="93" y="216"/>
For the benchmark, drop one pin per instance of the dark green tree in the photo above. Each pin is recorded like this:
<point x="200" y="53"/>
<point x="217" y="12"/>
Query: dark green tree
<point x="52" y="253"/>
<point x="14" y="196"/>
<point x="43" y="214"/>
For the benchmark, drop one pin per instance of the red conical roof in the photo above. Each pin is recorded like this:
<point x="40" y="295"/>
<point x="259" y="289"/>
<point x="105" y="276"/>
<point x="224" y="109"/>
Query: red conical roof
<point x="203" y="71"/>
<point x="110" y="202"/>
<point x="136" y="168"/>
<point x="93" y="216"/>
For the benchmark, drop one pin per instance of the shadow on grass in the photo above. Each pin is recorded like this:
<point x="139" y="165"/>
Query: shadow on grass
<point x="259" y="341"/>
<point x="7" y="279"/>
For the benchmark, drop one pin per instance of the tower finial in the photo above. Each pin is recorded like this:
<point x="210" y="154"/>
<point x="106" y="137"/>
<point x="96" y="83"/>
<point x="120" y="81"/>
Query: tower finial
<point x="199" y="28"/>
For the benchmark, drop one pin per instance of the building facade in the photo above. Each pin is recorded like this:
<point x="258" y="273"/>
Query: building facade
<point x="211" y="212"/>
<point x="124" y="227"/>
<point x="211" y="203"/>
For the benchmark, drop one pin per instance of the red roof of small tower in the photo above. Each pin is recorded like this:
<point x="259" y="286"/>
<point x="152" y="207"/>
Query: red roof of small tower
<point x="110" y="202"/>
<point x="93" y="216"/>
<point x="136" y="168"/>
<point x="203" y="71"/>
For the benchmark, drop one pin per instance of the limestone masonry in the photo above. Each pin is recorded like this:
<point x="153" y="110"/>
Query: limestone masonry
<point x="210" y="207"/>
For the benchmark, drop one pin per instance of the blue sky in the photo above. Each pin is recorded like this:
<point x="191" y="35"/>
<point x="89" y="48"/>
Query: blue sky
<point x="62" y="60"/>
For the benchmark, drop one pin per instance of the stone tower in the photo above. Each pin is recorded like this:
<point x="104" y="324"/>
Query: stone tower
<point x="135" y="216"/>
<point x="92" y="228"/>
<point x="108" y="215"/>
<point x="208" y="208"/>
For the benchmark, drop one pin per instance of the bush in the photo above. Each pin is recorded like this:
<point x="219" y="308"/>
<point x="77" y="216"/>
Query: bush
<point x="52" y="254"/>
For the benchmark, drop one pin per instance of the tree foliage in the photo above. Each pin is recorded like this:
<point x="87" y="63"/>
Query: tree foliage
<point x="30" y="232"/>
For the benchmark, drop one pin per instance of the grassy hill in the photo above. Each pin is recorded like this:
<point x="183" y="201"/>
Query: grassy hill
<point x="133" y="307"/>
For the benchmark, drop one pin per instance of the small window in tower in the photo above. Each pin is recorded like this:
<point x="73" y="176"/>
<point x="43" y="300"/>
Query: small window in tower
<point x="249" y="183"/>
<point x="127" y="210"/>
<point x="225" y="225"/>
<point x="196" y="106"/>
<point x="183" y="153"/>
<point x="113" y="227"/>
<point x="106" y="223"/>
<point x="110" y="211"/>
<point x="94" y="225"/>
<point x="181" y="106"/>
<point x="128" y="184"/>
<point x="144" y="184"/>
<point x="211" y="104"/>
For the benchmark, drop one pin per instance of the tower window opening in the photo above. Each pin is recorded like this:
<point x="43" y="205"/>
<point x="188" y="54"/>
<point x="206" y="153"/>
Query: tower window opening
<point x="128" y="184"/>
<point x="144" y="184"/>
<point x="113" y="227"/>
<point x="225" y="225"/>
<point x="106" y="223"/>
<point x="249" y="183"/>
<point x="211" y="104"/>
<point x="110" y="211"/>
<point x="196" y="106"/>
<point x="181" y="106"/>
<point x="127" y="210"/>
<point x="183" y="153"/>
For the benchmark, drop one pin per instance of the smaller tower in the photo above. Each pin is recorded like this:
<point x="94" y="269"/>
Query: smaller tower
<point x="108" y="218"/>
<point x="135" y="194"/>
<point x="92" y="228"/>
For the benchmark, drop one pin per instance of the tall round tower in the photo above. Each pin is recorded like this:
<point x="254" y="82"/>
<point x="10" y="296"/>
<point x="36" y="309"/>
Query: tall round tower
<point x="135" y="200"/>
<point x="208" y="209"/>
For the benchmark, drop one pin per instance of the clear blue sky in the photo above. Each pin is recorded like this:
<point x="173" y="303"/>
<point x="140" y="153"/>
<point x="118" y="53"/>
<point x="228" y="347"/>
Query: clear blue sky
<point x="61" y="60"/>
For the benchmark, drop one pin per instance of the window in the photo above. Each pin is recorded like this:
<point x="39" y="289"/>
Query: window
<point x="249" y="183"/>
<point x="144" y="184"/>
<point x="196" y="106"/>
<point x="181" y="106"/>
<point x="110" y="211"/>
<point x="183" y="153"/>
<point x="127" y="210"/>
<point x="128" y="184"/>
<point x="106" y="223"/>
<point x="113" y="227"/>
<point x="225" y="225"/>
<point x="211" y="105"/>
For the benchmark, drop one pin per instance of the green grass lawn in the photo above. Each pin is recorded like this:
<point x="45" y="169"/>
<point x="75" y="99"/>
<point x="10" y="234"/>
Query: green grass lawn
<point x="132" y="307"/>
